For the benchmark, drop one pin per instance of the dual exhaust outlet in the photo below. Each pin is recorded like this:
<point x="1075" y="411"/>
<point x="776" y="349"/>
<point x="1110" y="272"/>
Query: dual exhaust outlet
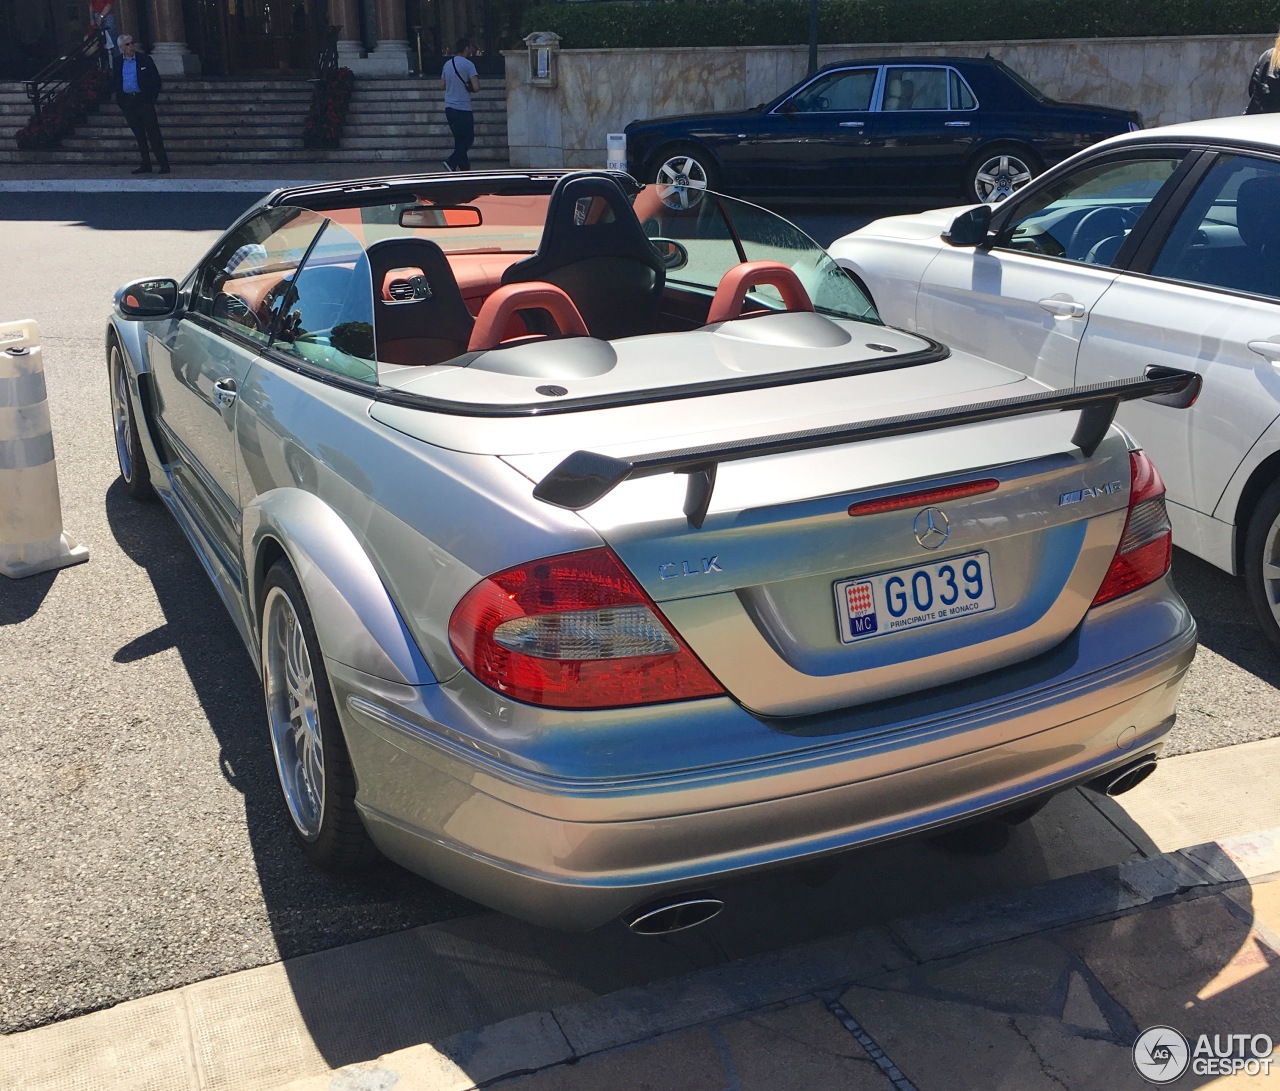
<point x="678" y="913"/>
<point x="1119" y="781"/>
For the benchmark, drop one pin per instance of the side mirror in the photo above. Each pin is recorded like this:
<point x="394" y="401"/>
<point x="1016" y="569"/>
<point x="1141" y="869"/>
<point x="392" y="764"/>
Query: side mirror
<point x="153" y="298"/>
<point x="672" y="254"/>
<point x="969" y="228"/>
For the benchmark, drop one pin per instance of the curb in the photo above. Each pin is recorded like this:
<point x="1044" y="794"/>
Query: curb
<point x="568" y="1034"/>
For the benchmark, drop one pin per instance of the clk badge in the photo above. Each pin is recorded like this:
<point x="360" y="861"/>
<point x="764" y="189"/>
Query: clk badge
<point x="932" y="528"/>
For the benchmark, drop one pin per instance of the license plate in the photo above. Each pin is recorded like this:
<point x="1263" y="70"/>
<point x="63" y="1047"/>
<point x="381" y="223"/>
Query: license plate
<point x="908" y="598"/>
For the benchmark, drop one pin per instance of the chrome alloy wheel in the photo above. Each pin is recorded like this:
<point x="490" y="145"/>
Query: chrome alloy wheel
<point x="1270" y="570"/>
<point x="686" y="177"/>
<point x="289" y="683"/>
<point x="122" y="415"/>
<point x="1000" y="176"/>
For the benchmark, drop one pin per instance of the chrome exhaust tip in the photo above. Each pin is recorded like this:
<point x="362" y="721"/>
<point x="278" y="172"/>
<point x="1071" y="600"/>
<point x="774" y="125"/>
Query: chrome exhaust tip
<point x="664" y="917"/>
<point x="1133" y="774"/>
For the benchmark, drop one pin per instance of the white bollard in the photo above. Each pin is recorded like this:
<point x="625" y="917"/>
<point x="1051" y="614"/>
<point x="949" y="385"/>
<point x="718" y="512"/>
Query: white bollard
<point x="31" y="535"/>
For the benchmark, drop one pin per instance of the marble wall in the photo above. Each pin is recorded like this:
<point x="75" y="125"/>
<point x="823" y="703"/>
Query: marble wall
<point x="599" y="90"/>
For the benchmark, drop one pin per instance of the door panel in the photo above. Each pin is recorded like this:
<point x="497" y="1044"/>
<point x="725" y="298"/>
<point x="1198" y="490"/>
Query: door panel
<point x="917" y="139"/>
<point x="1027" y="302"/>
<point x="816" y="140"/>
<point x="1016" y="309"/>
<point x="207" y="353"/>
<point x="1212" y="304"/>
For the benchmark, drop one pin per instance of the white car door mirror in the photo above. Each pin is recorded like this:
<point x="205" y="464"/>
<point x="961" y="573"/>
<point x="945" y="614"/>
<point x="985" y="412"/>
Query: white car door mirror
<point x="969" y="228"/>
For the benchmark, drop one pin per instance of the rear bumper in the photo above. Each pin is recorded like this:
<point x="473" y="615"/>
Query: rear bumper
<point x="574" y="853"/>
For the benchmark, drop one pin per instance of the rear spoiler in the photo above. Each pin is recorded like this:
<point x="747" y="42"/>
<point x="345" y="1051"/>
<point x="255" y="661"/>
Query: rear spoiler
<point x="585" y="477"/>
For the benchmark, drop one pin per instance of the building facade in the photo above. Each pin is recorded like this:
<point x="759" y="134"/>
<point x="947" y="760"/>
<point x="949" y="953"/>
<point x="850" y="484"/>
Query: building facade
<point x="262" y="38"/>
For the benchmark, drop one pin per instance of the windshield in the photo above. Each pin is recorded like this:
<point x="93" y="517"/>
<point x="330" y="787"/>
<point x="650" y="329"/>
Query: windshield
<point x="716" y="232"/>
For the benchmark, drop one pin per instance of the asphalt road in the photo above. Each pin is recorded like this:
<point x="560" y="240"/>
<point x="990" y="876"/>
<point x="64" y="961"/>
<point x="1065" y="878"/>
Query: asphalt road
<point x="142" y="841"/>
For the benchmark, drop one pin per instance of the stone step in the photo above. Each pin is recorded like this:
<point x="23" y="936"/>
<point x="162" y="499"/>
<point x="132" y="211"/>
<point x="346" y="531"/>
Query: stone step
<point x="208" y="122"/>
<point x="104" y="128"/>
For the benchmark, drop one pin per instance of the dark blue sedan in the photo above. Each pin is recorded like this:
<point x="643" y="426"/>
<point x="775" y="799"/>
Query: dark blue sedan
<point x="929" y="127"/>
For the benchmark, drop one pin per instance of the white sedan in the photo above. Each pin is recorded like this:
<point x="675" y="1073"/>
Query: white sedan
<point x="1158" y="247"/>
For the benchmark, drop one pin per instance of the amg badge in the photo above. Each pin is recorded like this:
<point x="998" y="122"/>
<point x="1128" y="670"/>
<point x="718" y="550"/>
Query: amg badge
<point x="1090" y="491"/>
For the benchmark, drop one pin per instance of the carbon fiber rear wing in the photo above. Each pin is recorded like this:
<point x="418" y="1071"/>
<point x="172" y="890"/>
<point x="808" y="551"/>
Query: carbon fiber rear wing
<point x="585" y="477"/>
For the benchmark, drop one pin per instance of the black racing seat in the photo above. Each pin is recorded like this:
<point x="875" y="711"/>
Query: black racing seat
<point x="419" y="316"/>
<point x="594" y="248"/>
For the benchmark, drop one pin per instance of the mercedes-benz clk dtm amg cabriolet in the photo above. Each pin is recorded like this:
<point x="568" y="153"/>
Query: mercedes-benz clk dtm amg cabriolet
<point x="598" y="545"/>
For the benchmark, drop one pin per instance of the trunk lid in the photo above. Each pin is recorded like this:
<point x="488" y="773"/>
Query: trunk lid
<point x="796" y="605"/>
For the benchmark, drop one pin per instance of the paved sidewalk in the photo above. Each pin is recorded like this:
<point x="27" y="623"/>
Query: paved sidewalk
<point x="958" y="976"/>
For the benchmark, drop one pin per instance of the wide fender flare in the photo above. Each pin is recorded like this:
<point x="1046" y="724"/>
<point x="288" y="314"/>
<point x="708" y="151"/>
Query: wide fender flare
<point x="131" y="338"/>
<point x="356" y="621"/>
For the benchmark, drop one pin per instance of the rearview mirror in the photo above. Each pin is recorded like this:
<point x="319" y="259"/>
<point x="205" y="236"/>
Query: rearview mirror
<point x="153" y="298"/>
<point x="969" y="228"/>
<point x="441" y="216"/>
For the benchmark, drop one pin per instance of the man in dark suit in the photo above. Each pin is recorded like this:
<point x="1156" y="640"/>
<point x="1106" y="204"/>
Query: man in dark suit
<point x="137" y="88"/>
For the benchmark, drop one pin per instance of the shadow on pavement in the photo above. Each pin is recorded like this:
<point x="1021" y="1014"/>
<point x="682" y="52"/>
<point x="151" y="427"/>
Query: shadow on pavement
<point x="1223" y="614"/>
<point x="21" y="599"/>
<point x="1065" y="1008"/>
<point x="308" y="909"/>
<point x="131" y="212"/>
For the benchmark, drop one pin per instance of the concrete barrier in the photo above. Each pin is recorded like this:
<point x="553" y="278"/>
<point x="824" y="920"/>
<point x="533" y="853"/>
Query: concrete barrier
<point x="31" y="536"/>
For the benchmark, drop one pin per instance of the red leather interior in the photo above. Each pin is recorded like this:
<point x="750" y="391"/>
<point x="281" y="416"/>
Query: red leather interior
<point x="738" y="281"/>
<point x="500" y="309"/>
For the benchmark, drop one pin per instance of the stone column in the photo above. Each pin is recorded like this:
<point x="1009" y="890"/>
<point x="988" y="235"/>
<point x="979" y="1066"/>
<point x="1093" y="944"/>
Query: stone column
<point x="169" y="47"/>
<point x="392" y="57"/>
<point x="345" y="14"/>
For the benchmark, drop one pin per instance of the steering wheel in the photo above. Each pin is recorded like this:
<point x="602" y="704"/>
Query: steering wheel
<point x="1098" y="224"/>
<point x="271" y="300"/>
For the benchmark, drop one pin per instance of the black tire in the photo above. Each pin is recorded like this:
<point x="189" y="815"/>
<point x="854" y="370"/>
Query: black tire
<point x="671" y="162"/>
<point x="1007" y="166"/>
<point x="329" y="829"/>
<point x="134" y="471"/>
<point x="1262" y="563"/>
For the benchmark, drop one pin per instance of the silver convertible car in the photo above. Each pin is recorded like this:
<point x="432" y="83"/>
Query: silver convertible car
<point x="599" y="546"/>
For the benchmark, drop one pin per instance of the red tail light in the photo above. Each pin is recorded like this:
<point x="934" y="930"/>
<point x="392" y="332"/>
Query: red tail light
<point x="1146" y="547"/>
<point x="574" y="631"/>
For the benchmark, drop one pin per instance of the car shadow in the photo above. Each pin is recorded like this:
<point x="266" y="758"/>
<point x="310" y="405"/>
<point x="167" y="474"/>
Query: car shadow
<point x="1225" y="618"/>
<point x="131" y="212"/>
<point x="308" y="909"/>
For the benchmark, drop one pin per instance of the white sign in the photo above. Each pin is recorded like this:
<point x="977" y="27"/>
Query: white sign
<point x="616" y="151"/>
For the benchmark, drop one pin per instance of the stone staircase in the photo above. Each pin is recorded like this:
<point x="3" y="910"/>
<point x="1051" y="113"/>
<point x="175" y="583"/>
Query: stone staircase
<point x="208" y="122"/>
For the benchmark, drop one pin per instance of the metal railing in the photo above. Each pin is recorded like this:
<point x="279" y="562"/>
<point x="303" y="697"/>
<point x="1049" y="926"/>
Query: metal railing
<point x="54" y="77"/>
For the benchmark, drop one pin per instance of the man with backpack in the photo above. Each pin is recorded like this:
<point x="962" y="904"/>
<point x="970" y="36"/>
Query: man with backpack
<point x="459" y="80"/>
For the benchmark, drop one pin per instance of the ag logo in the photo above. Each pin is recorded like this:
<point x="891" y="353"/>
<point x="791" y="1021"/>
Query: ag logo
<point x="1161" y="1055"/>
